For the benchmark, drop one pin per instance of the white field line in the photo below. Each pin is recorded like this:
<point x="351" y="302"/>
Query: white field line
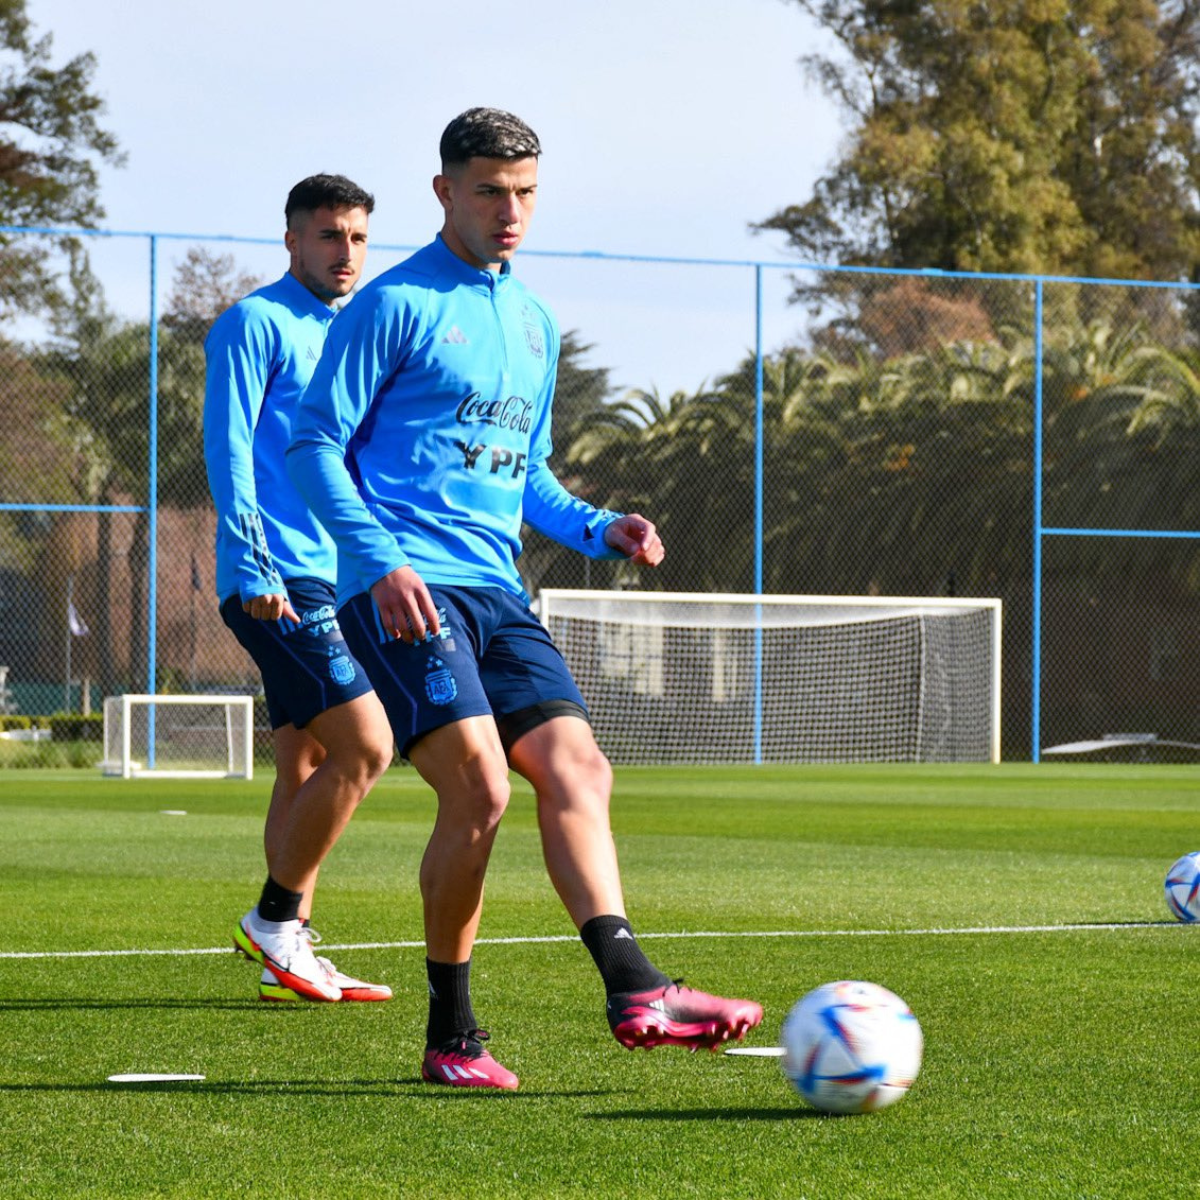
<point x="966" y="931"/>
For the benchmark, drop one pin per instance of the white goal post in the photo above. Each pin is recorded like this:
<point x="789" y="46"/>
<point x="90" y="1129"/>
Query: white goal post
<point x="682" y="677"/>
<point x="179" y="737"/>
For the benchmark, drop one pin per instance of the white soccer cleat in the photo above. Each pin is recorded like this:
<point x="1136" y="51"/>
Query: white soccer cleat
<point x="270" y="988"/>
<point x="285" y="950"/>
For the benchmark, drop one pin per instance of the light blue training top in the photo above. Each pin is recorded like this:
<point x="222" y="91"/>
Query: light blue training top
<point x="260" y="354"/>
<point x="423" y="435"/>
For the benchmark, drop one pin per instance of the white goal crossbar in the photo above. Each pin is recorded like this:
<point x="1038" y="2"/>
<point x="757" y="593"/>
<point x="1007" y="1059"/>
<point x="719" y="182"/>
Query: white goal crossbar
<point x="734" y="677"/>
<point x="179" y="737"/>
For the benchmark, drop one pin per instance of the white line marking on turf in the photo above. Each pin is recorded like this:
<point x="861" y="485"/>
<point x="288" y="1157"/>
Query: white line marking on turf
<point x="965" y="931"/>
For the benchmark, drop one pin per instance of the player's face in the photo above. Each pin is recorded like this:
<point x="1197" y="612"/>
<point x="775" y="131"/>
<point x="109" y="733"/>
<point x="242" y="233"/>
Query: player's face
<point x="328" y="249"/>
<point x="488" y="204"/>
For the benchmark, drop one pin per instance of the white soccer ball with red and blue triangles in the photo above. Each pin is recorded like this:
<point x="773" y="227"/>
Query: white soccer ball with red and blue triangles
<point x="851" y="1047"/>
<point x="1182" y="887"/>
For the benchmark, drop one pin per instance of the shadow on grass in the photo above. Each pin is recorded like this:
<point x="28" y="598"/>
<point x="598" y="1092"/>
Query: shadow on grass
<point x="790" y="1113"/>
<point x="49" y="1004"/>
<point x="410" y="1088"/>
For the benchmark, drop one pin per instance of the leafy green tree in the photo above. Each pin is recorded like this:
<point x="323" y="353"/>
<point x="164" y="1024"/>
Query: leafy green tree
<point x="1053" y="137"/>
<point x="103" y="363"/>
<point x="51" y="145"/>
<point x="581" y="393"/>
<point x="581" y="389"/>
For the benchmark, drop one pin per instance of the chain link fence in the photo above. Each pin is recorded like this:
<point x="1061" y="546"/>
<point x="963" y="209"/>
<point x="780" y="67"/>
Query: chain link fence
<point x="791" y="430"/>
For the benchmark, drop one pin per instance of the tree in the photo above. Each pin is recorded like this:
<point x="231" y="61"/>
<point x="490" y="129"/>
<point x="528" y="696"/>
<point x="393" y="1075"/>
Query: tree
<point x="580" y="393"/>
<point x="580" y="390"/>
<point x="1041" y="138"/>
<point x="205" y="285"/>
<point x="103" y="365"/>
<point x="50" y="147"/>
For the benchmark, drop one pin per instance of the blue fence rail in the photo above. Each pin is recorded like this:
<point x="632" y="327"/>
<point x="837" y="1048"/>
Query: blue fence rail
<point x="760" y="313"/>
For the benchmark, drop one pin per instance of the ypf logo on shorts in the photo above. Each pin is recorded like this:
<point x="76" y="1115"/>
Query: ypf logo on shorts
<point x="440" y="685"/>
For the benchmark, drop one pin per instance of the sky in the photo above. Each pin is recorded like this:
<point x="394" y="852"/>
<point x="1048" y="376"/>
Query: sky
<point x="667" y="127"/>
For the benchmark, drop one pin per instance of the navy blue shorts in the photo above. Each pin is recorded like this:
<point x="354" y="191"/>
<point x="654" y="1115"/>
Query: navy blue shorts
<point x="306" y="668"/>
<point x="491" y="657"/>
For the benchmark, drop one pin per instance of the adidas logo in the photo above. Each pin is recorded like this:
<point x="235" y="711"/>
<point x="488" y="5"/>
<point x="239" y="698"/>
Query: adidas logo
<point x="622" y="933"/>
<point x="312" y="355"/>
<point x="455" y="336"/>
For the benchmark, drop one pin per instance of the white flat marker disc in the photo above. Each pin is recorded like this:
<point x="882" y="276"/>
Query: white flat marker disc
<point x="150" y="1077"/>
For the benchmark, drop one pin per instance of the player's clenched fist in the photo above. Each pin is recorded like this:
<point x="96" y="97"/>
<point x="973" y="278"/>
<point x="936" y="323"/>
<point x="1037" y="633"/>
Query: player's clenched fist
<point x="636" y="538"/>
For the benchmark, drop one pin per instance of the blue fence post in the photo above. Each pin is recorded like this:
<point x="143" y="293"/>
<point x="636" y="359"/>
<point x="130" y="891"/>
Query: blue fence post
<point x="1035" y="734"/>
<point x="759" y="464"/>
<point x="152" y="503"/>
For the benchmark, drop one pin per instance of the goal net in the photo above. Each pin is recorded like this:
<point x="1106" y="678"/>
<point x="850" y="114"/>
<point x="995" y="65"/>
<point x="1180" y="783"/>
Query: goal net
<point x="179" y="737"/>
<point x="693" y="678"/>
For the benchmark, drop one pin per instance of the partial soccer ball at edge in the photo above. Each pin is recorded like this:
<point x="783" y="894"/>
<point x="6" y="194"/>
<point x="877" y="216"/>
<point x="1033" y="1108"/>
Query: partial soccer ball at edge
<point x="1182" y="888"/>
<point x="851" y="1047"/>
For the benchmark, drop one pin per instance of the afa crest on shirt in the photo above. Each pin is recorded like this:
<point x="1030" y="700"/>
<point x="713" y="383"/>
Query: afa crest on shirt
<point x="533" y="333"/>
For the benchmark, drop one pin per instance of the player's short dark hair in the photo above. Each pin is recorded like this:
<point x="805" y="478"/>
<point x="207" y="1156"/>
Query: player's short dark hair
<point x="326" y="191"/>
<point x="487" y="133"/>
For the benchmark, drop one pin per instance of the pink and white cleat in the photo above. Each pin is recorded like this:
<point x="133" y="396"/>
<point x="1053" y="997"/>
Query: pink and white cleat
<point x="674" y="1015"/>
<point x="463" y="1062"/>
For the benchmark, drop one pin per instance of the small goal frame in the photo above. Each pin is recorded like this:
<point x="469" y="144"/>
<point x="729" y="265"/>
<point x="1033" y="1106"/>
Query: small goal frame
<point x="239" y="719"/>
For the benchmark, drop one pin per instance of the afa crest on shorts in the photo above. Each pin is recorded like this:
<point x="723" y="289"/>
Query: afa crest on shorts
<point x="440" y="686"/>
<point x="341" y="669"/>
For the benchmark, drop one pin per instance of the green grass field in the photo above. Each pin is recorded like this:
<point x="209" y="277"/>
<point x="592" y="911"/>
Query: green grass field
<point x="1018" y="910"/>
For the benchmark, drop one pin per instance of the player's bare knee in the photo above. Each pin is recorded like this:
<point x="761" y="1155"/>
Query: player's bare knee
<point x="587" y="771"/>
<point x="601" y="771"/>
<point x="480" y="796"/>
<point x="376" y="756"/>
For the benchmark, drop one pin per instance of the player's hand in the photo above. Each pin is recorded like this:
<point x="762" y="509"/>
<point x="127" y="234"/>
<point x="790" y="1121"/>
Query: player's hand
<point x="405" y="606"/>
<point x="636" y="538"/>
<point x="271" y="608"/>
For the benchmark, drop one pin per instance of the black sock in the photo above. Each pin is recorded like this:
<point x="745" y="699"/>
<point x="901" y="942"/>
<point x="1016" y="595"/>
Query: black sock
<point x="450" y="1011"/>
<point x="623" y="966"/>
<point x="277" y="903"/>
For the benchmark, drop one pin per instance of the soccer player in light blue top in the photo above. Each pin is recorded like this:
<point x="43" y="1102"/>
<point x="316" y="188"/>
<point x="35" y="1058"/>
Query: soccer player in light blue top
<point x="421" y="444"/>
<point x="276" y="568"/>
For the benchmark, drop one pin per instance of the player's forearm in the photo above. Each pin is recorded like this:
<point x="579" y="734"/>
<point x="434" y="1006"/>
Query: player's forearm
<point x="318" y="470"/>
<point x="553" y="511"/>
<point x="244" y="558"/>
<point x="242" y="551"/>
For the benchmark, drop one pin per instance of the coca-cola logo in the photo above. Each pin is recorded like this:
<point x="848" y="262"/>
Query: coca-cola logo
<point x="510" y="413"/>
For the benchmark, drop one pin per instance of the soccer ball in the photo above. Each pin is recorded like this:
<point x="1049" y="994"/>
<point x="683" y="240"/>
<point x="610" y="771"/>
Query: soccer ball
<point x="1182" y="887"/>
<point x="851" y="1047"/>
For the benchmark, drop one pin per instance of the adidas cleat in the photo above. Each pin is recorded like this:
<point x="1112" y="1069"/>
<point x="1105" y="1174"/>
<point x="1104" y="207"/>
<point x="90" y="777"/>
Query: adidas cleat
<point x="463" y="1062"/>
<point x="674" y="1015"/>
<point x="285" y="950"/>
